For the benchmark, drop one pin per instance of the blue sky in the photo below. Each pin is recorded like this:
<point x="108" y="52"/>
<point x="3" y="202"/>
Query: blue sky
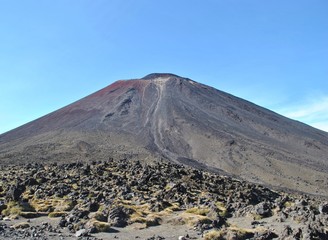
<point x="273" y="53"/>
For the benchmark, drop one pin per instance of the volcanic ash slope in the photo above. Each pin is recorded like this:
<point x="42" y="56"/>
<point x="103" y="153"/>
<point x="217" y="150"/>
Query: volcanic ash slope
<point x="170" y="117"/>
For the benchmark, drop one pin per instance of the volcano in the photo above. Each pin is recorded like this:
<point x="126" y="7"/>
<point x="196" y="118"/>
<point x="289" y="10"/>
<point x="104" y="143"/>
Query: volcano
<point x="167" y="117"/>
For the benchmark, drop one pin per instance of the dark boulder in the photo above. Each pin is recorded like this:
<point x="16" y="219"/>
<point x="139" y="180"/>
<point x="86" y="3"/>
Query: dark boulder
<point x="14" y="193"/>
<point x="31" y="182"/>
<point x="119" y="216"/>
<point x="263" y="209"/>
<point x="323" y="208"/>
<point x="2" y="206"/>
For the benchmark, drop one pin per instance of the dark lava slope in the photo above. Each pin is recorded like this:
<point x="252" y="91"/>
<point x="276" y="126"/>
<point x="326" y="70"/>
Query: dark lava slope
<point x="166" y="116"/>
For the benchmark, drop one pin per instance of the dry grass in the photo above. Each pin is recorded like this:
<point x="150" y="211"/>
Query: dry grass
<point x="27" y="194"/>
<point x="138" y="216"/>
<point x="257" y="216"/>
<point x="13" y="208"/>
<point x="245" y="232"/>
<point x="198" y="211"/>
<point x="144" y="208"/>
<point x="101" y="226"/>
<point x="143" y="215"/>
<point x="56" y="214"/>
<point x="214" y="235"/>
<point x="194" y="219"/>
<point x="19" y="209"/>
<point x="173" y="208"/>
<point x="148" y="221"/>
<point x="289" y="204"/>
<point x="223" y="210"/>
<point x="21" y="225"/>
<point x="51" y="205"/>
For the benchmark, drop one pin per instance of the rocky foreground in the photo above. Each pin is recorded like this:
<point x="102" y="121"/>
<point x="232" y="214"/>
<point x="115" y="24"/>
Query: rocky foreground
<point x="132" y="200"/>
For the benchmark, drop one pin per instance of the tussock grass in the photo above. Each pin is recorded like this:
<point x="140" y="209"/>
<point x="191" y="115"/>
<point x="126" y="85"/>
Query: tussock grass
<point x="257" y="216"/>
<point x="194" y="219"/>
<point x="173" y="208"/>
<point x="289" y="204"/>
<point x="21" y="225"/>
<point x="101" y="226"/>
<point x="52" y="204"/>
<point x="99" y="216"/>
<point x="223" y="210"/>
<point x="13" y="208"/>
<point x="148" y="221"/>
<point x="198" y="211"/>
<point x="20" y="209"/>
<point x="214" y="235"/>
<point x="56" y="214"/>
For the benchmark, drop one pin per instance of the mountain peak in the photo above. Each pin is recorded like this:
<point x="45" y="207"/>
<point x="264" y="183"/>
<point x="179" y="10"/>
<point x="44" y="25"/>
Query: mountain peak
<point x="160" y="75"/>
<point x="164" y="116"/>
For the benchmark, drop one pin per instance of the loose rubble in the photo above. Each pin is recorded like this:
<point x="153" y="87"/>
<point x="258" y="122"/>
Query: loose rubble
<point x="99" y="197"/>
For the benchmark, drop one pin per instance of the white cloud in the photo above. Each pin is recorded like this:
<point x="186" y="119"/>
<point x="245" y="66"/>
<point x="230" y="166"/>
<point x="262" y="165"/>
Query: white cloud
<point x="321" y="125"/>
<point x="313" y="112"/>
<point x="307" y="110"/>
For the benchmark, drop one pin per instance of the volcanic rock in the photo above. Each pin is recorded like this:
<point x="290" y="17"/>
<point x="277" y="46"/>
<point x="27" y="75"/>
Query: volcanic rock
<point x="15" y="192"/>
<point x="208" y="203"/>
<point x="323" y="208"/>
<point x="118" y="216"/>
<point x="263" y="209"/>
